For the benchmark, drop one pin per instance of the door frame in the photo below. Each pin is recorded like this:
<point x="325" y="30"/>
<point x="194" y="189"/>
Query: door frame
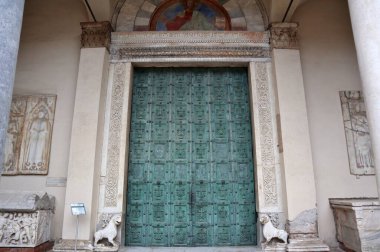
<point x="191" y="49"/>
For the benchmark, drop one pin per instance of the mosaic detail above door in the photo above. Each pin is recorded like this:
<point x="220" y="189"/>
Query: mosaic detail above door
<point x="190" y="178"/>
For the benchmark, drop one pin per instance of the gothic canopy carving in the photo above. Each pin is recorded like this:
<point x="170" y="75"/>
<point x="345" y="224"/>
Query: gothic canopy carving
<point x="145" y="15"/>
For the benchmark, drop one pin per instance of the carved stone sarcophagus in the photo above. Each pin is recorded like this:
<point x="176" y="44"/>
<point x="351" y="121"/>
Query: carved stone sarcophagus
<point x="357" y="223"/>
<point x="25" y="218"/>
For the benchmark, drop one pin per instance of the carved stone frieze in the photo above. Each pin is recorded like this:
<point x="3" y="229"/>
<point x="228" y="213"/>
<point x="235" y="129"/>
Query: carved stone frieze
<point x="266" y="135"/>
<point x="284" y="35"/>
<point x="115" y="128"/>
<point x="27" y="149"/>
<point x="137" y="46"/>
<point x="25" y="218"/>
<point x="356" y="128"/>
<point x="96" y="34"/>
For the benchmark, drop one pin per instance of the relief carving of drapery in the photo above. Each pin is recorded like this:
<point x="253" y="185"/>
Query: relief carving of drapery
<point x="28" y="141"/>
<point x="356" y="128"/>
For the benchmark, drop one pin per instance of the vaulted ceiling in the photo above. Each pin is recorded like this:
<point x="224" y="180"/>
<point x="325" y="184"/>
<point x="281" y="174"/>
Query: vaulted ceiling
<point x="277" y="10"/>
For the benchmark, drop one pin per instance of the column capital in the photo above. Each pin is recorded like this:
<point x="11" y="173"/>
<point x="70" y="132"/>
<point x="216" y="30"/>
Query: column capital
<point x="96" y="34"/>
<point x="284" y="35"/>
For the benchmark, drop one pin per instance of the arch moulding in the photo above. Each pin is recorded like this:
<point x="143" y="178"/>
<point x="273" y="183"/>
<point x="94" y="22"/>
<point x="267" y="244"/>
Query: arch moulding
<point x="133" y="15"/>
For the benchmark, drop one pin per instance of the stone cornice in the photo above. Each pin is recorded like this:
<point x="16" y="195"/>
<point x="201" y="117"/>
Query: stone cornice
<point x="96" y="34"/>
<point x="200" y="44"/>
<point x="284" y="35"/>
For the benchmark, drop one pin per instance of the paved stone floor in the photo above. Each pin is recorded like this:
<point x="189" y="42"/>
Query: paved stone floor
<point x="196" y="249"/>
<point x="200" y="249"/>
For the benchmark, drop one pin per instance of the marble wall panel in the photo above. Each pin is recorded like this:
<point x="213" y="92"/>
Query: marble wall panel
<point x="359" y="145"/>
<point x="28" y="141"/>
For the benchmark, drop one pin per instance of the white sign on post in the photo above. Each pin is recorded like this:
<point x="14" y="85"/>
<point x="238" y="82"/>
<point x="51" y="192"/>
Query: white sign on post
<point x="78" y="209"/>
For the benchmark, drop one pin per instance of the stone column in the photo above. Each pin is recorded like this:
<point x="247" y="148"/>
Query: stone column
<point x="87" y="136"/>
<point x="366" y="28"/>
<point x="297" y="158"/>
<point x="11" y="12"/>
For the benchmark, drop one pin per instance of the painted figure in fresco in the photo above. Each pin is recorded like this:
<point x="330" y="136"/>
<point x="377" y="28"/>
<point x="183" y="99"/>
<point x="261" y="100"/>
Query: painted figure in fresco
<point x="37" y="141"/>
<point x="189" y="19"/>
<point x="362" y="138"/>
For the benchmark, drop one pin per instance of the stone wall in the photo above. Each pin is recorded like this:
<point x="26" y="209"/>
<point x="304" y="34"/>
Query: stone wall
<point x="329" y="65"/>
<point x="48" y="64"/>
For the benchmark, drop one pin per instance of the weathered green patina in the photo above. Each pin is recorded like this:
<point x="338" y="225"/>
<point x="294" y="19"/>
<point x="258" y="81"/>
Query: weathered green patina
<point x="190" y="178"/>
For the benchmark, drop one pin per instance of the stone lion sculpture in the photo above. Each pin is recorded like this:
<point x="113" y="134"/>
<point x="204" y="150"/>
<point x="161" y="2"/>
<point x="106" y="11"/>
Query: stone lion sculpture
<point x="270" y="231"/>
<point x="109" y="232"/>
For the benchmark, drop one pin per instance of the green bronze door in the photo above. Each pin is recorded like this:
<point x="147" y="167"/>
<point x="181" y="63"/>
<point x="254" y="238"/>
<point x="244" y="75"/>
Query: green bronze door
<point x="190" y="177"/>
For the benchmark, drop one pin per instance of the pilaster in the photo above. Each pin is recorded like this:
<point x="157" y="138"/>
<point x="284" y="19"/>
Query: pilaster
<point x="87" y="137"/>
<point x="296" y="156"/>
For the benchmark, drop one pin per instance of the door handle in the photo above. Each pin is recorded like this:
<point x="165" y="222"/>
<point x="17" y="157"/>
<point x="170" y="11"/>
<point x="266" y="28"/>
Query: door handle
<point x="192" y="198"/>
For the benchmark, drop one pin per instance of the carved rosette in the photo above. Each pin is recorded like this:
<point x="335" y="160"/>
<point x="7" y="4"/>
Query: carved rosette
<point x="96" y="34"/>
<point x="284" y="36"/>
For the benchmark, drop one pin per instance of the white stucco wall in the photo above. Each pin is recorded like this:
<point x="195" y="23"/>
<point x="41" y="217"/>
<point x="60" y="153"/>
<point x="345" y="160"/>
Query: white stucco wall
<point x="48" y="64"/>
<point x="329" y="65"/>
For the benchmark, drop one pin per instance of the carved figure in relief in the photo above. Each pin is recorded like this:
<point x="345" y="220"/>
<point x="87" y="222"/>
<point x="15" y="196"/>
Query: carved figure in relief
<point x="109" y="232"/>
<point x="12" y="142"/>
<point x="359" y="148"/>
<point x="37" y="141"/>
<point x="10" y="145"/>
<point x="270" y="232"/>
<point x="3" y="226"/>
<point x="18" y="228"/>
<point x="26" y="225"/>
<point x="362" y="138"/>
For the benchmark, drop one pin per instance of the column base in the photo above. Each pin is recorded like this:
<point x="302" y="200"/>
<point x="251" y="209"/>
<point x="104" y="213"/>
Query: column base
<point x="275" y="247"/>
<point x="307" y="244"/>
<point x="69" y="245"/>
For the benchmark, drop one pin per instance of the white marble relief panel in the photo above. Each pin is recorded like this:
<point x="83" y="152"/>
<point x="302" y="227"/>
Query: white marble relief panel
<point x="22" y="229"/>
<point x="29" y="134"/>
<point x="14" y="135"/>
<point x="359" y="146"/>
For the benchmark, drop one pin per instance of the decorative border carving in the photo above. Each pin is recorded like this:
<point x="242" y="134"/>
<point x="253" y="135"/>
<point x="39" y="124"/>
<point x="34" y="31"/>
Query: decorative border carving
<point x="134" y="46"/>
<point x="190" y="37"/>
<point x="284" y="35"/>
<point x="266" y="135"/>
<point x="115" y="129"/>
<point x="96" y="34"/>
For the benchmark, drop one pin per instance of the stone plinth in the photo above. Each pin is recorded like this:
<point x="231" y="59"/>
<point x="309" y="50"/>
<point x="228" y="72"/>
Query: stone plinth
<point x="25" y="218"/>
<point x="357" y="223"/>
